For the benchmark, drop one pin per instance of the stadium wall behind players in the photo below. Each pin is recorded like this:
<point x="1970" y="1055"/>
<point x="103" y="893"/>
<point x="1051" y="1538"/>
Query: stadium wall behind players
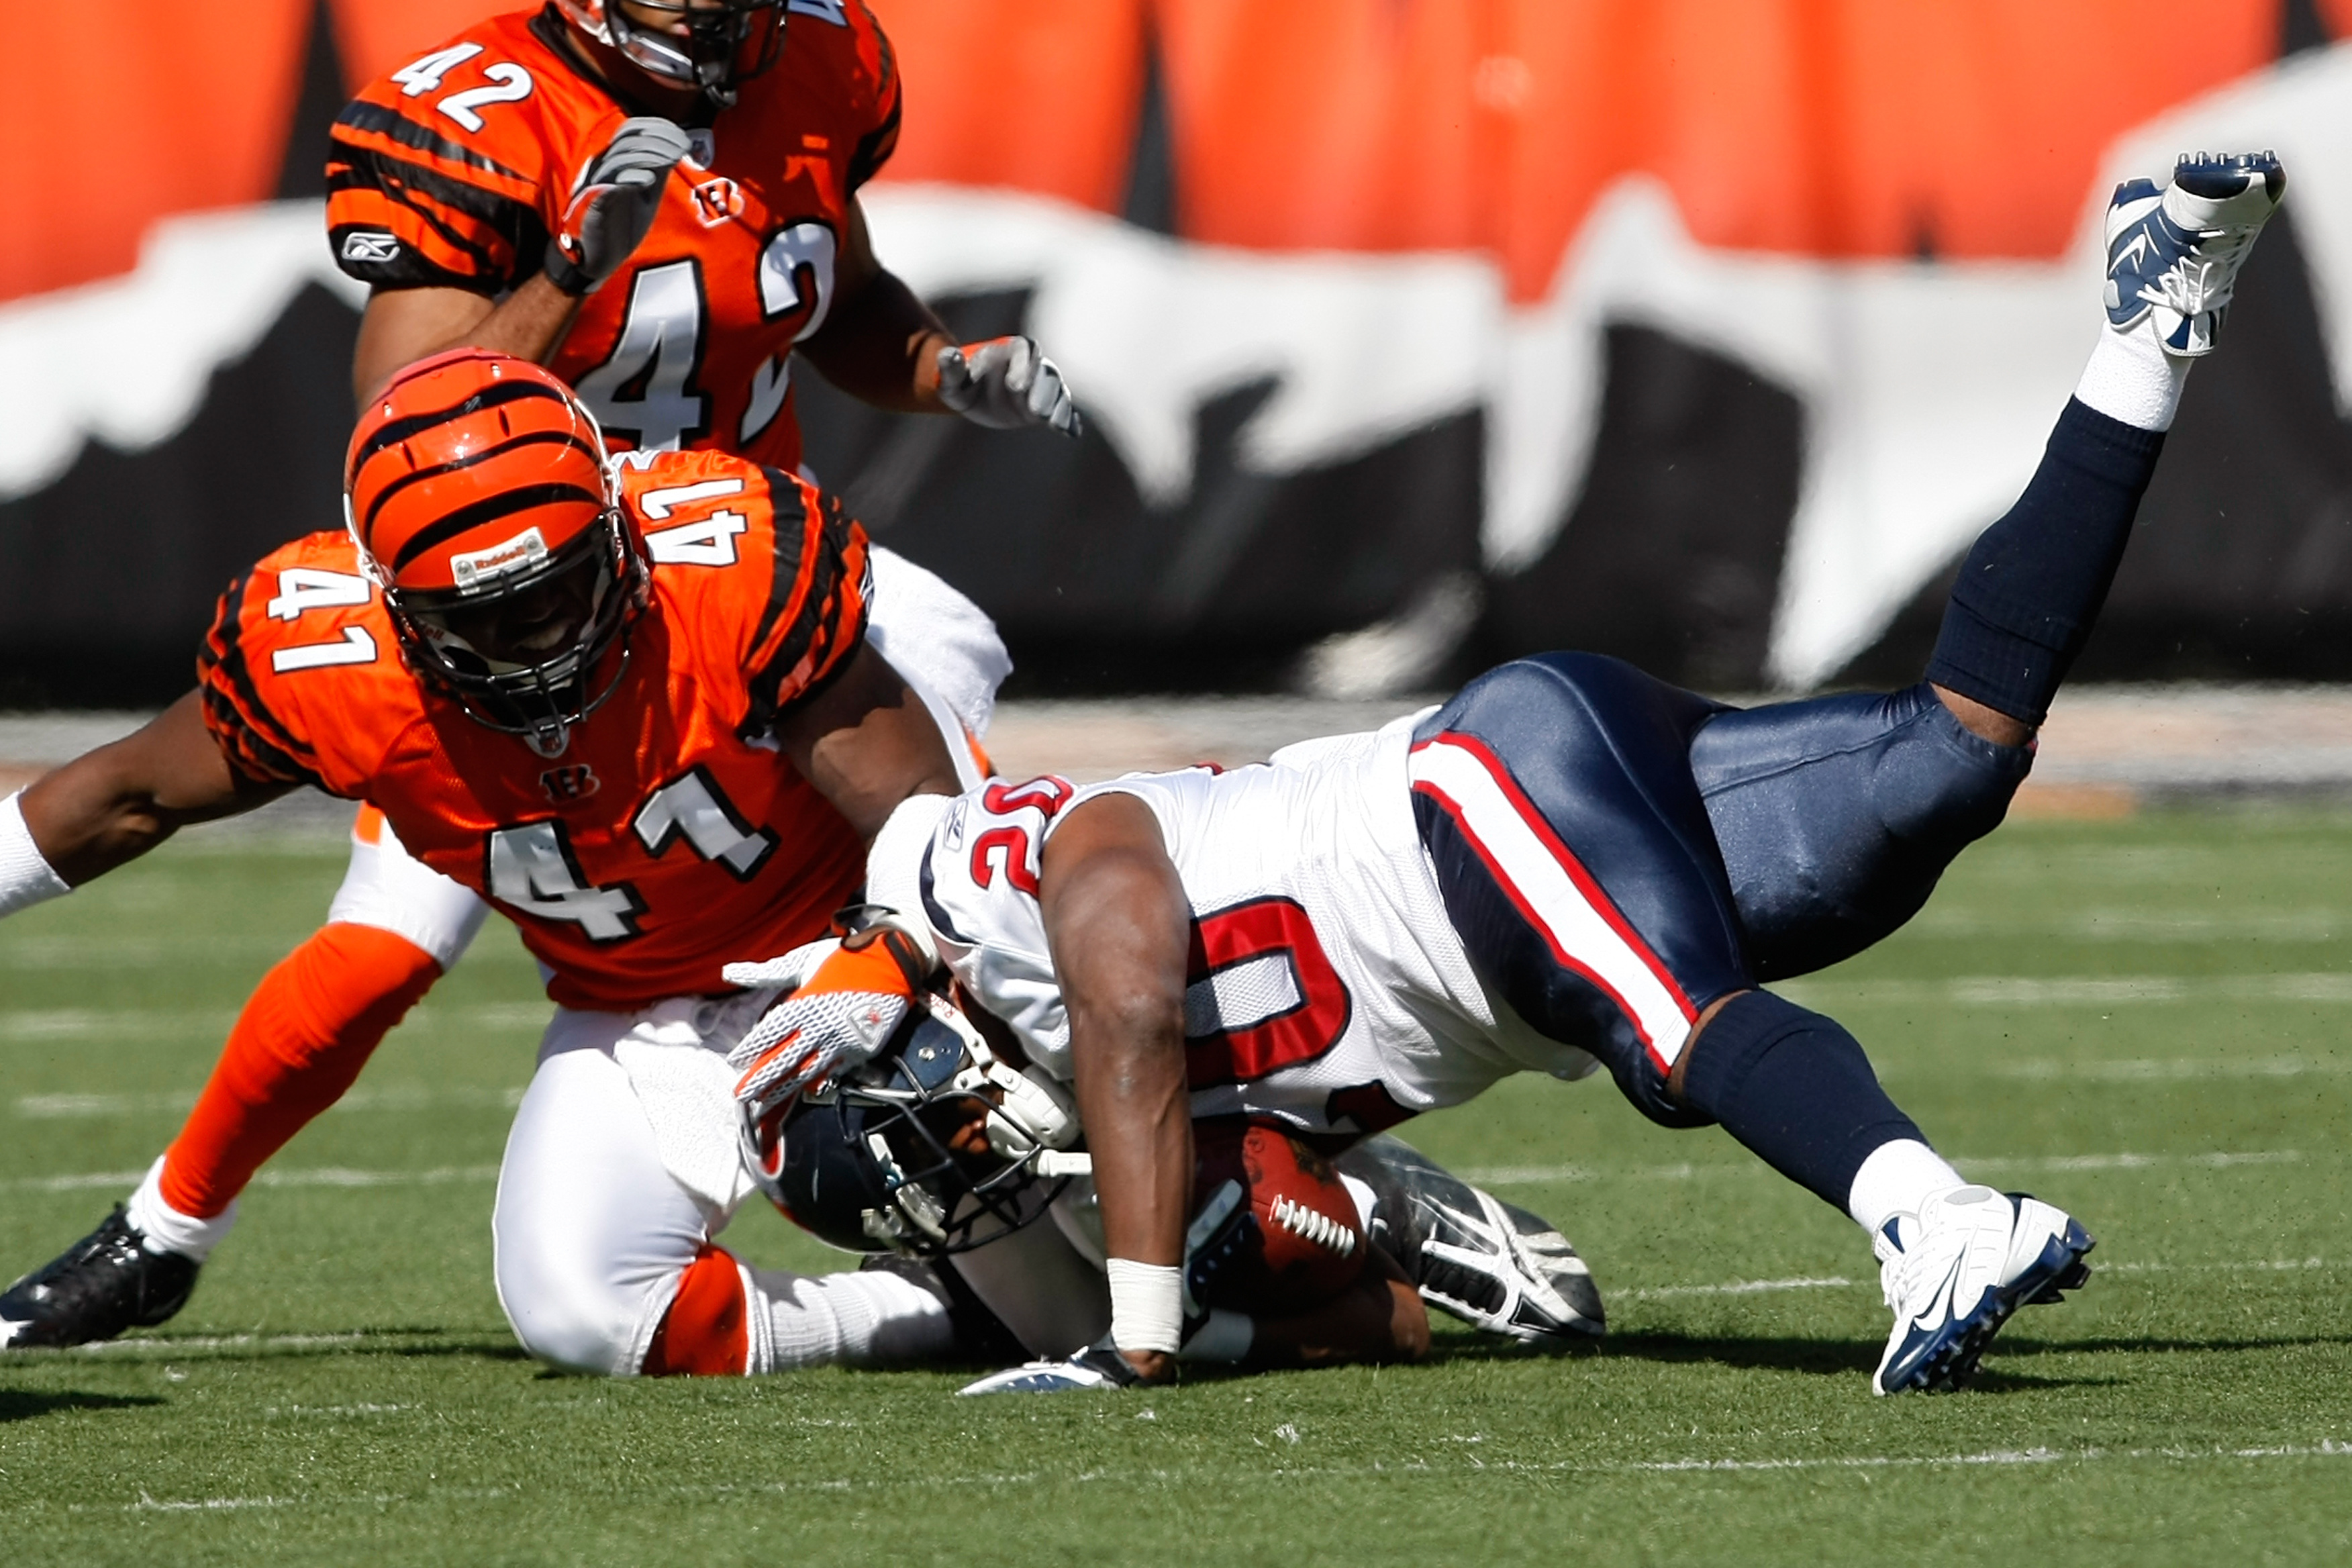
<point x="1502" y="327"/>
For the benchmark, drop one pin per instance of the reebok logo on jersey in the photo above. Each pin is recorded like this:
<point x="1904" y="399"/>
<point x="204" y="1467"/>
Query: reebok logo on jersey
<point x="369" y="245"/>
<point x="475" y="568"/>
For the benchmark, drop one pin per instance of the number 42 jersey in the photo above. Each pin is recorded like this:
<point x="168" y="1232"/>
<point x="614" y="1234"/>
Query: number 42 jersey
<point x="450" y="172"/>
<point x="671" y="837"/>
<point x="1327" y="984"/>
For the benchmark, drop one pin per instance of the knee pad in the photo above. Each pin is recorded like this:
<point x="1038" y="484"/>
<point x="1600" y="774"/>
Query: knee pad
<point x="389" y="889"/>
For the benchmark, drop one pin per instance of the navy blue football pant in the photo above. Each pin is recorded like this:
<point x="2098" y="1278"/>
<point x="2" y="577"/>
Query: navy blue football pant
<point x="1617" y="853"/>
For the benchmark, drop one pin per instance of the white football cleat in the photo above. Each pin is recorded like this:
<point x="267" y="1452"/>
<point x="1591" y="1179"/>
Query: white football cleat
<point x="2173" y="252"/>
<point x="1954" y="1272"/>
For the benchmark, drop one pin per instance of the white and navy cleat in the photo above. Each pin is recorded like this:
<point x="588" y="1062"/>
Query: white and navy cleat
<point x="1954" y="1272"/>
<point x="1092" y="1369"/>
<point x="2174" y="251"/>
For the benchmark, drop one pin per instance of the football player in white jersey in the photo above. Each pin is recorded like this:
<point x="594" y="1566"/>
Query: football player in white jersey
<point x="1567" y="866"/>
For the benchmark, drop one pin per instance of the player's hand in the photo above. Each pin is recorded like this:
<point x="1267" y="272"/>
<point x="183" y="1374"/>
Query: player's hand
<point x="1006" y="384"/>
<point x="615" y="205"/>
<point x="849" y="997"/>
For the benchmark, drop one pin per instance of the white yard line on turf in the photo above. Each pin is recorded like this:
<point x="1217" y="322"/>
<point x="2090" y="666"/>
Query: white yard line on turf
<point x="2075" y="990"/>
<point x="1735" y="1288"/>
<point x="317" y="1176"/>
<point x="55" y="1107"/>
<point x="2325" y="1448"/>
<point x="1540" y="1175"/>
<point x="81" y="1023"/>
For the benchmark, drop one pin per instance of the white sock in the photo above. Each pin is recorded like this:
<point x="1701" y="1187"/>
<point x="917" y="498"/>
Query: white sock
<point x="167" y="1230"/>
<point x="1896" y="1179"/>
<point x="2131" y="379"/>
<point x="835" y="1320"/>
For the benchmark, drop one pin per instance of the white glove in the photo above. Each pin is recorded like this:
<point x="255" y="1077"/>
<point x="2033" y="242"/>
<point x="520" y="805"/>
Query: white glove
<point x="608" y="216"/>
<point x="848" y="998"/>
<point x="1005" y="383"/>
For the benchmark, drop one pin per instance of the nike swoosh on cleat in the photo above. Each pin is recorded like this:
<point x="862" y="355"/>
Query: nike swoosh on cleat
<point x="2134" y="253"/>
<point x="1942" y="1300"/>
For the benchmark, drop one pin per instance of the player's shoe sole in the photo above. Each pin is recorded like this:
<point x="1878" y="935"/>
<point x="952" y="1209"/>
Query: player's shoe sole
<point x="101" y="1285"/>
<point x="2174" y="250"/>
<point x="1094" y="1369"/>
<point x="1943" y="1359"/>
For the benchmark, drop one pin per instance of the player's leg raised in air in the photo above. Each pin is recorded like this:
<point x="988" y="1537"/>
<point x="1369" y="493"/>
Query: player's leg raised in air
<point x="1743" y="846"/>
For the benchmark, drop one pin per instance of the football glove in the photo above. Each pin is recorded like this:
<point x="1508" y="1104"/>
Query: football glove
<point x="848" y="996"/>
<point x="1005" y="383"/>
<point x="615" y="205"/>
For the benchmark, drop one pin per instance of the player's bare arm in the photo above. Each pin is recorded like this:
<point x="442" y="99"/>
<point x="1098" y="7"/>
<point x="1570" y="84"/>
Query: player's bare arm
<point x="113" y="804"/>
<point x="880" y="344"/>
<point x="1117" y="924"/>
<point x="402" y="326"/>
<point x="868" y="743"/>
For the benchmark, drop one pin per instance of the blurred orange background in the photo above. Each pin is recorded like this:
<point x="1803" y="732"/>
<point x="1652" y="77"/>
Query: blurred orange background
<point x="1819" y="127"/>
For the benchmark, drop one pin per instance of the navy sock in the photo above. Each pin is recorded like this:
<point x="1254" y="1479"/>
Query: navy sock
<point x="1796" y="1089"/>
<point x="2033" y="583"/>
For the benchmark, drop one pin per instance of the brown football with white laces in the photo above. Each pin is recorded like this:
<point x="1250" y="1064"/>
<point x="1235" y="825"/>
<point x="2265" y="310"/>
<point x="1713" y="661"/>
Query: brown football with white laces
<point x="1300" y="1242"/>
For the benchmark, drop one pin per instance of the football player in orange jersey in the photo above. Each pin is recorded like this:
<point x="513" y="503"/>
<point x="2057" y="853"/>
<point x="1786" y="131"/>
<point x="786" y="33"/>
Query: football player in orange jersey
<point x="659" y="202"/>
<point x="632" y="705"/>
<point x="513" y="190"/>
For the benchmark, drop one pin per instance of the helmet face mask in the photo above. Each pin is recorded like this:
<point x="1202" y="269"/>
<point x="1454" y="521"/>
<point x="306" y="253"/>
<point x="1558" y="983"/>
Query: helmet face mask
<point x="931" y="1148"/>
<point x="725" y="42"/>
<point x="523" y="655"/>
<point x="480" y="498"/>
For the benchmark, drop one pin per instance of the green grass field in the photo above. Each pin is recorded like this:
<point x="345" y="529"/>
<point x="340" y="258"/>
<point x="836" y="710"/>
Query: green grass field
<point x="2145" y="1022"/>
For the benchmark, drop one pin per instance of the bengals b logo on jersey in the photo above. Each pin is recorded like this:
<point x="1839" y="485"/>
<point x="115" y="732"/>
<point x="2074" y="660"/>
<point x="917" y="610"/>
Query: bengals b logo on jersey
<point x="574" y="781"/>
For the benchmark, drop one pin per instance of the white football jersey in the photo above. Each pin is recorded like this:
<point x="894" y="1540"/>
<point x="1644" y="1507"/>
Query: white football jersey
<point x="1328" y="985"/>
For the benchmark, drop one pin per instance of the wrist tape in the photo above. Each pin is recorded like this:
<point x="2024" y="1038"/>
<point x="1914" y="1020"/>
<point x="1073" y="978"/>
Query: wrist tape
<point x="1147" y="1305"/>
<point x="26" y="878"/>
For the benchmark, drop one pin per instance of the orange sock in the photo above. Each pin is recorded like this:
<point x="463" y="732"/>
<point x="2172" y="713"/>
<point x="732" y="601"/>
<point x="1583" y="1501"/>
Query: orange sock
<point x="305" y="1033"/>
<point x="704" y="1333"/>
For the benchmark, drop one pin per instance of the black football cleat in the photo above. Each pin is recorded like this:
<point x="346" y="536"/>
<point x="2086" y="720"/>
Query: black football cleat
<point x="1472" y="1256"/>
<point x="106" y="1282"/>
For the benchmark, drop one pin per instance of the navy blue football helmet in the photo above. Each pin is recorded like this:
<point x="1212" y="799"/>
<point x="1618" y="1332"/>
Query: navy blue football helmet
<point x="931" y="1148"/>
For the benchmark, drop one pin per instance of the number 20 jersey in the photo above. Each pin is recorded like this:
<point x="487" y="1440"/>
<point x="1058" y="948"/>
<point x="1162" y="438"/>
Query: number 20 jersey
<point x="671" y="837"/>
<point x="1325" y="985"/>
<point x="451" y="171"/>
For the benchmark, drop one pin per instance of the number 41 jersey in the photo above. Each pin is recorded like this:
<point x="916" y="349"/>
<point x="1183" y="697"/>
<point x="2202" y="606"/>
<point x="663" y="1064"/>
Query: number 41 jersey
<point x="1327" y="984"/>
<point x="671" y="837"/>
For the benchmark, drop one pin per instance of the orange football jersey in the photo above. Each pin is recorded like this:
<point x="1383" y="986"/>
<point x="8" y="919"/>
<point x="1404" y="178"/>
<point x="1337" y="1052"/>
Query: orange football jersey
<point x="451" y="171"/>
<point x="672" y="837"/>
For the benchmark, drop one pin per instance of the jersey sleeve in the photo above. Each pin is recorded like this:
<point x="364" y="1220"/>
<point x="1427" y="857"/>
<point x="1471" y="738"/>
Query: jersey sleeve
<point x="819" y="586"/>
<point x="414" y="199"/>
<point x="259" y="742"/>
<point x="769" y="572"/>
<point x="978" y="877"/>
<point x="878" y="138"/>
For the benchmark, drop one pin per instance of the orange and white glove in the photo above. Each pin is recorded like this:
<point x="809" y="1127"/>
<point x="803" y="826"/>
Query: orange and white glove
<point x="849" y="996"/>
<point x="1007" y="383"/>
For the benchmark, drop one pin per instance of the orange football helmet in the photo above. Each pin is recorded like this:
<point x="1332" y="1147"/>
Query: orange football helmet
<point x="477" y="491"/>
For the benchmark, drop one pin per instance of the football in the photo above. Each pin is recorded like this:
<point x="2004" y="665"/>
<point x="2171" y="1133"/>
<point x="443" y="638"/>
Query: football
<point x="1275" y="1231"/>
